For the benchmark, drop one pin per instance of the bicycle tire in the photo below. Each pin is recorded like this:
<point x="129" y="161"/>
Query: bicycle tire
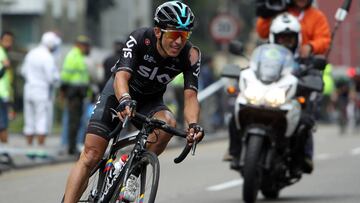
<point x="147" y="168"/>
<point x="94" y="185"/>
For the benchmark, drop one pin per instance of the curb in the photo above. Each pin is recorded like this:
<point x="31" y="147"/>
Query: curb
<point x="23" y="161"/>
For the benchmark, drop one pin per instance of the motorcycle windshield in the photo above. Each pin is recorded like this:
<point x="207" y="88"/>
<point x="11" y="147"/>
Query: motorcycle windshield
<point x="270" y="62"/>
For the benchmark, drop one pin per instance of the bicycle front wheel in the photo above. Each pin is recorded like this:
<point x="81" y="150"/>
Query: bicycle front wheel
<point x="92" y="189"/>
<point x="147" y="172"/>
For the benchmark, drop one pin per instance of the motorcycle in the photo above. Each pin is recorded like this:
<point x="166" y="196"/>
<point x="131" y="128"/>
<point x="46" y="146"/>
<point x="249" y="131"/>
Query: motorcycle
<point x="267" y="111"/>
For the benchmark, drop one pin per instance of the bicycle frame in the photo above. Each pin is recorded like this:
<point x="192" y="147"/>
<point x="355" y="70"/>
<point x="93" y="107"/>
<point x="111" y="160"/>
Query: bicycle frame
<point x="140" y="140"/>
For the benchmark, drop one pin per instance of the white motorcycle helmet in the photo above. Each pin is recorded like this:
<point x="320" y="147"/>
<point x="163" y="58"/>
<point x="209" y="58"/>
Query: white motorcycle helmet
<point x="285" y="30"/>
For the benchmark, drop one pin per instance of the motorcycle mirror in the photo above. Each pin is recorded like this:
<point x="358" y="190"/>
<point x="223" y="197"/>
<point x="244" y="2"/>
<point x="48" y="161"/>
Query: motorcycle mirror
<point x="236" y="47"/>
<point x="231" y="71"/>
<point x="342" y="12"/>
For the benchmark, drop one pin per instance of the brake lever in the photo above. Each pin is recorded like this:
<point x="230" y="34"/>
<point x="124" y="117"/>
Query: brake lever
<point x="193" y="147"/>
<point x="125" y="121"/>
<point x="132" y="108"/>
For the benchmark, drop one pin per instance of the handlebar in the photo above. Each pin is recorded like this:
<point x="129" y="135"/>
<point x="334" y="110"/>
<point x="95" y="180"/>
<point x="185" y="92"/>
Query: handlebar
<point x="159" y="124"/>
<point x="183" y="154"/>
<point x="169" y="129"/>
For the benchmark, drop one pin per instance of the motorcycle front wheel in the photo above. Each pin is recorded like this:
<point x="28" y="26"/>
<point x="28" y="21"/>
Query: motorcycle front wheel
<point x="252" y="170"/>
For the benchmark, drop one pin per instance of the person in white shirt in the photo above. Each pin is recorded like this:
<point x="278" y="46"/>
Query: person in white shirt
<point x="41" y="76"/>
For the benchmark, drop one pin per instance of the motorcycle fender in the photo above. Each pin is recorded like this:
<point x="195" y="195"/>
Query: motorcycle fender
<point x="256" y="131"/>
<point x="239" y="100"/>
<point x="293" y="118"/>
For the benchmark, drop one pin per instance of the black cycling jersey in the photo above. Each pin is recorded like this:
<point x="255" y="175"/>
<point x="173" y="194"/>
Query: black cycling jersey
<point x="150" y="72"/>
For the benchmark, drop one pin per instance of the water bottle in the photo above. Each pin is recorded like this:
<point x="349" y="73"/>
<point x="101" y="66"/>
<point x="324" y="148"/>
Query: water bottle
<point x="120" y="164"/>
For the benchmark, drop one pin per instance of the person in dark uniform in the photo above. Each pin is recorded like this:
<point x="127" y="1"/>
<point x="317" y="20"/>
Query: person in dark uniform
<point x="75" y="80"/>
<point x="151" y="58"/>
<point x="111" y="60"/>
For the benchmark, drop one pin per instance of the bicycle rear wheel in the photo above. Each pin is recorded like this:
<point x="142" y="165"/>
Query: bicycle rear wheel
<point x="147" y="171"/>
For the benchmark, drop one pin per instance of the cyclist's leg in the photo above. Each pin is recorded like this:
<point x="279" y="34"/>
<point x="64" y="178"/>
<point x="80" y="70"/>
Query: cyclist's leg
<point x="96" y="141"/>
<point x="95" y="147"/>
<point x="155" y="107"/>
<point x="159" y="139"/>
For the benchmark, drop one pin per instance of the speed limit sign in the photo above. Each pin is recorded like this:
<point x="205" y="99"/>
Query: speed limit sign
<point x="224" y="28"/>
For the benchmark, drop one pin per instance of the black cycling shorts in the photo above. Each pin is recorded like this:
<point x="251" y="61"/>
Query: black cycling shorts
<point x="103" y="122"/>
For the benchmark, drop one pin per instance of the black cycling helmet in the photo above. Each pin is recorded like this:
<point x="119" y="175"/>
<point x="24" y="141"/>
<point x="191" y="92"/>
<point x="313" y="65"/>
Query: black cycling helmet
<point x="174" y="14"/>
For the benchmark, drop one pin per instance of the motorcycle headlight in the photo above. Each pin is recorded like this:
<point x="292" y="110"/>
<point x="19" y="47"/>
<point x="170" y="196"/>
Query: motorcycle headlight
<point x="253" y="94"/>
<point x="275" y="97"/>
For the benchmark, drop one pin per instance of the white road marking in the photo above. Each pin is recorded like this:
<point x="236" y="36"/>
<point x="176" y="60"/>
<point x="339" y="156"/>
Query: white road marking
<point x="355" y="151"/>
<point x="237" y="182"/>
<point x="226" y="185"/>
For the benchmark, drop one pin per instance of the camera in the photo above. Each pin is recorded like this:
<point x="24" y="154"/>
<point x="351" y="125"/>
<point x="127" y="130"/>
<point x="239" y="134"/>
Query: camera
<point x="270" y="8"/>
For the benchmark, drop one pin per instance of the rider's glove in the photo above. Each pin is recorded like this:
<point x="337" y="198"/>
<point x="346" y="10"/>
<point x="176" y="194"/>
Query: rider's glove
<point x="197" y="128"/>
<point x="124" y="102"/>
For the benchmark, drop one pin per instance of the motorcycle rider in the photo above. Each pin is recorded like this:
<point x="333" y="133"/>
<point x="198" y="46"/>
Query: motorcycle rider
<point x="285" y="30"/>
<point x="315" y="30"/>
<point x="315" y="40"/>
<point x="288" y="30"/>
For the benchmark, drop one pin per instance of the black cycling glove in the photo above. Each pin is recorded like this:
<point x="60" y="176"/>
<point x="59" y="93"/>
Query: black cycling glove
<point x="124" y="102"/>
<point x="197" y="128"/>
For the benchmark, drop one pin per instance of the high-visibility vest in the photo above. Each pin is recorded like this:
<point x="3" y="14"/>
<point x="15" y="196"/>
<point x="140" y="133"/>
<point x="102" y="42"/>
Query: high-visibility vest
<point x="74" y="71"/>
<point x="5" y="80"/>
<point x="329" y="85"/>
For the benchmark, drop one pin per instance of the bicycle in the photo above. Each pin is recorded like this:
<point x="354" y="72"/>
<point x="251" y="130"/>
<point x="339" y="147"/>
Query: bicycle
<point x="107" y="185"/>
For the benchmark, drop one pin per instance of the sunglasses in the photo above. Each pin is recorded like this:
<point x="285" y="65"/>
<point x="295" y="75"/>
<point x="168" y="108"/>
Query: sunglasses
<point x="175" y="34"/>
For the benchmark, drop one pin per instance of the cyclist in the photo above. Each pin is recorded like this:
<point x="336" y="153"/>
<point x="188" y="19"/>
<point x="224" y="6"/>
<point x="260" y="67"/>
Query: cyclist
<point x="151" y="58"/>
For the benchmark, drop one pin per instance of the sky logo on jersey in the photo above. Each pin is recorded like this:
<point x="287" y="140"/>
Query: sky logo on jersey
<point x="197" y="70"/>
<point x="152" y="74"/>
<point x="129" y="45"/>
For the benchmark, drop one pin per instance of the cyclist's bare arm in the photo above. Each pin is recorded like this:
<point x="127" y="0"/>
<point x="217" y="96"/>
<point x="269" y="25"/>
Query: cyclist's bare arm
<point x="121" y="89"/>
<point x="121" y="82"/>
<point x="191" y="103"/>
<point x="191" y="106"/>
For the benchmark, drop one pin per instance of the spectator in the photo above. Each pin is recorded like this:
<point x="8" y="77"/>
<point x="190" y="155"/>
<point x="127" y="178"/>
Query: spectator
<point x="215" y="109"/>
<point x="329" y="88"/>
<point x="41" y="75"/>
<point x="207" y="75"/>
<point x="75" y="83"/>
<point x="6" y="42"/>
<point x="110" y="61"/>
